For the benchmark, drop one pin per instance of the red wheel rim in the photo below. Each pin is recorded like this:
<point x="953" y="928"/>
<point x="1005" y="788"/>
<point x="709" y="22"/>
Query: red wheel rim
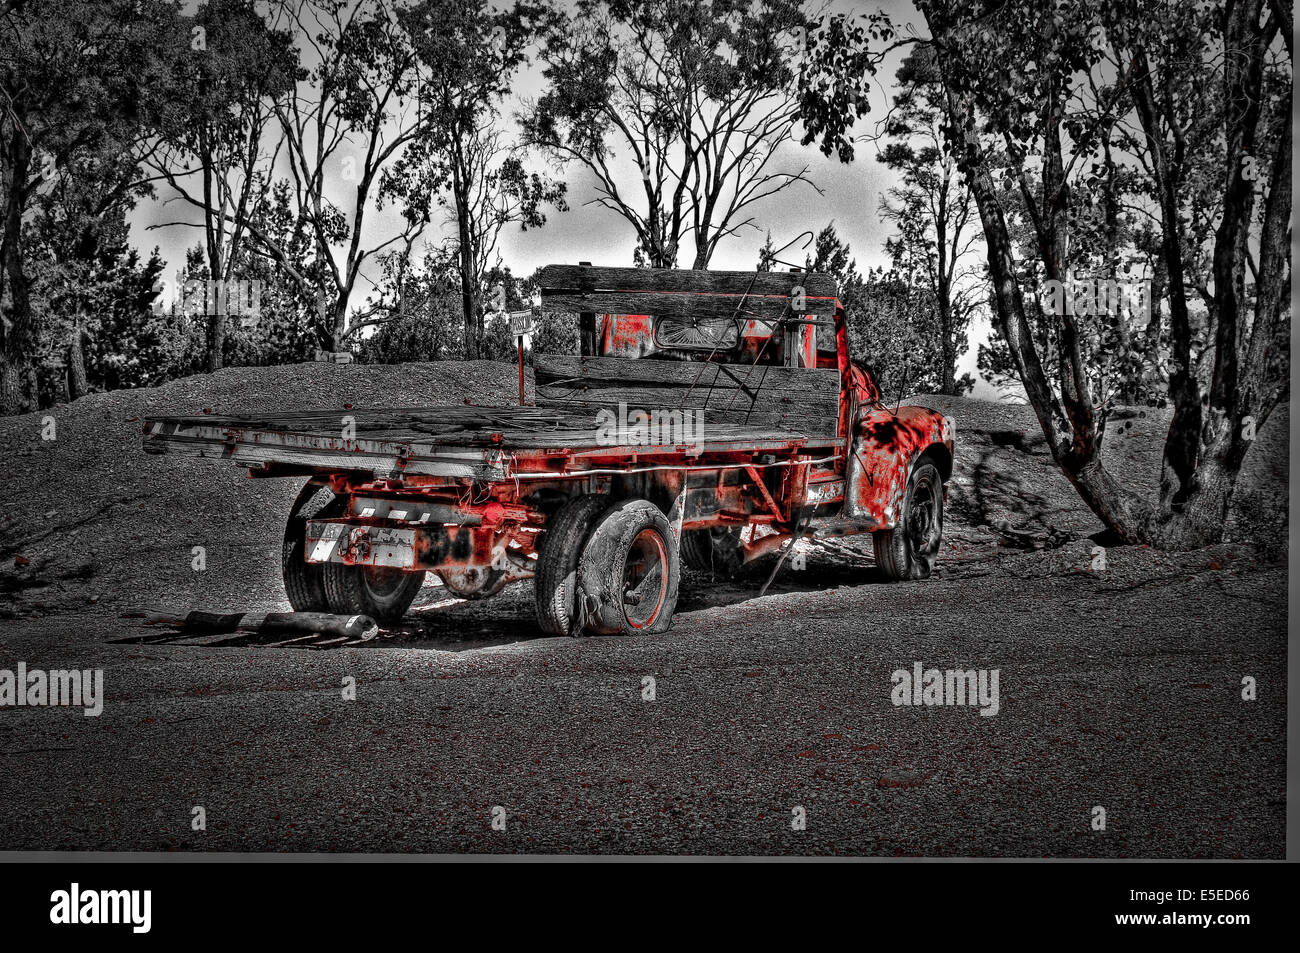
<point x="645" y="579"/>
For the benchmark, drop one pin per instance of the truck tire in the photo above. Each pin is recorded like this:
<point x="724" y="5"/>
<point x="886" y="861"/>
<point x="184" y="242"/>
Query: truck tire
<point x="554" y="585"/>
<point x="381" y="592"/>
<point x="716" y="549"/>
<point x="908" y="551"/>
<point x="629" y="572"/>
<point x="473" y="582"/>
<point x="304" y="582"/>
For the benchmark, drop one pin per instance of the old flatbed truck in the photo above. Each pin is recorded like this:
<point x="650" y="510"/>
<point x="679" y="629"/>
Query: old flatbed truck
<point x="710" y="417"/>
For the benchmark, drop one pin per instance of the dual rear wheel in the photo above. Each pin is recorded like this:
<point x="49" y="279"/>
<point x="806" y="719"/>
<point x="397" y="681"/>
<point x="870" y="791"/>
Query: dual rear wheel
<point x="607" y="570"/>
<point x="380" y="592"/>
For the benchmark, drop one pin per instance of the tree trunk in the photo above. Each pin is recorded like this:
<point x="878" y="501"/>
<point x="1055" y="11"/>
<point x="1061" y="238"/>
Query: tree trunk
<point x="1199" y="520"/>
<point x="469" y="299"/>
<point x="18" y="339"/>
<point x="947" y="346"/>
<point x="76" y="378"/>
<point x="13" y="399"/>
<point x="1075" y="450"/>
<point x="468" y="276"/>
<point x="216" y="335"/>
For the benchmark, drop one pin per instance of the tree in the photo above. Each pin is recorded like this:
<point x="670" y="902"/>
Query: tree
<point x="1052" y="83"/>
<point x="702" y="97"/>
<point x="94" y="300"/>
<point x="469" y="55"/>
<point x="348" y="118"/>
<point x="83" y="86"/>
<point x="237" y="68"/>
<point x="932" y="211"/>
<point x="893" y="320"/>
<point x="417" y="310"/>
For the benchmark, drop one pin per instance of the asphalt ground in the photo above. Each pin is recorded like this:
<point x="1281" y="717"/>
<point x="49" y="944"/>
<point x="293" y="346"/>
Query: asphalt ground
<point x="768" y="726"/>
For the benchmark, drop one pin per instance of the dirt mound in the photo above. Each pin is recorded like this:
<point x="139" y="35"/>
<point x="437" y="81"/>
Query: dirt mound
<point x="1004" y="475"/>
<point x="88" y="521"/>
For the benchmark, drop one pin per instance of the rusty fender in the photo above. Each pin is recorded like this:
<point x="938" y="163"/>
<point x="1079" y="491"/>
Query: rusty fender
<point x="885" y="446"/>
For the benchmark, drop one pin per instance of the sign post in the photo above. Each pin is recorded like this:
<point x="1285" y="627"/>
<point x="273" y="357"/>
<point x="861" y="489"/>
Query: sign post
<point x="521" y="325"/>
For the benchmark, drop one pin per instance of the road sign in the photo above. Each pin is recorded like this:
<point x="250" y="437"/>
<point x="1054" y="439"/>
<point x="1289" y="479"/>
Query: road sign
<point x="521" y="323"/>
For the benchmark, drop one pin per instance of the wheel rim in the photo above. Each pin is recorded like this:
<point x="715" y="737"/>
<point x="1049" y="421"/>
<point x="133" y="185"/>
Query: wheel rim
<point x="645" y="579"/>
<point x="923" y="518"/>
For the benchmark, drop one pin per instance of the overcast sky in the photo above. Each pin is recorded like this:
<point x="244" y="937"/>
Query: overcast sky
<point x="850" y="197"/>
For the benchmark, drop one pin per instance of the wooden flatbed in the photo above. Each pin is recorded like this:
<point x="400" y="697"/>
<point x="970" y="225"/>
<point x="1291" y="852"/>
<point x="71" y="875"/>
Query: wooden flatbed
<point x="746" y="411"/>
<point x="457" y="441"/>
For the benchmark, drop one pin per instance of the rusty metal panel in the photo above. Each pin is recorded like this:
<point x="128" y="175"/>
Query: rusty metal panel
<point x="364" y="545"/>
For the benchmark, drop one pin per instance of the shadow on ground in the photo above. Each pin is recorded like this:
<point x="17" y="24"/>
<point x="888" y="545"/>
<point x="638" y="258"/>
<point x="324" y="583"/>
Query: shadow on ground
<point x="456" y="625"/>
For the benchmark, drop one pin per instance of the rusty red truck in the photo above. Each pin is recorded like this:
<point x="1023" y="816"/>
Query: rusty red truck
<point x="709" y="418"/>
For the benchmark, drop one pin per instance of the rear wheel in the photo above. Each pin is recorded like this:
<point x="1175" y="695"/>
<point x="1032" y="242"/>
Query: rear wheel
<point x="716" y="549"/>
<point x="629" y="571"/>
<point x="381" y="592"/>
<point x="304" y="582"/>
<point x="555" y="582"/>
<point x="908" y="551"/>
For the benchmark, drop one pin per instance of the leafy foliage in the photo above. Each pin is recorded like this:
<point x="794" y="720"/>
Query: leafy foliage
<point x="893" y="321"/>
<point x="701" y="96"/>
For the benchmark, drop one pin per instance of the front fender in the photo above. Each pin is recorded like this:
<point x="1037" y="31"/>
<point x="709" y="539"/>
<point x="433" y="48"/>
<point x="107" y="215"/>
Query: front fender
<point x="885" y="446"/>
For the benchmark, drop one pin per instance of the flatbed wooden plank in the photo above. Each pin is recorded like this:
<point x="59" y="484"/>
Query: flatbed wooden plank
<point x="454" y="455"/>
<point x="791" y="419"/>
<point x="820" y="381"/>
<point x="747" y="409"/>
<point x="806" y="399"/>
<point x="679" y="292"/>
<point x="650" y="398"/>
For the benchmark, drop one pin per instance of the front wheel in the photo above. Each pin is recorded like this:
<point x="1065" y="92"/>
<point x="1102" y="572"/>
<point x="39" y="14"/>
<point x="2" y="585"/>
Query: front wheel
<point x="908" y="551"/>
